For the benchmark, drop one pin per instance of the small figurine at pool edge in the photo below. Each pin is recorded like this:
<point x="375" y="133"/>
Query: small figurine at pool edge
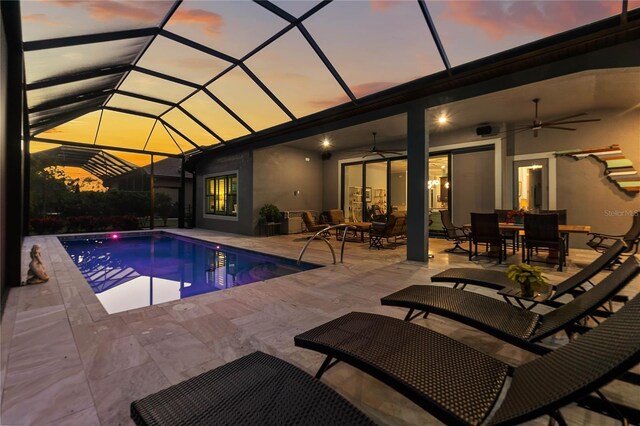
<point x="36" y="273"/>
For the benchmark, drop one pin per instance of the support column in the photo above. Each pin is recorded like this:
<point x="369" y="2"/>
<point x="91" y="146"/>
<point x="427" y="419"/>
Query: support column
<point x="194" y="192"/>
<point x="152" y="197"/>
<point x="181" y="195"/>
<point x="12" y="204"/>
<point x="417" y="173"/>
<point x="26" y="167"/>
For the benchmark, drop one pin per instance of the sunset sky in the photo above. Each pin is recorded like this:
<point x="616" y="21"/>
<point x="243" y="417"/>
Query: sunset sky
<point x="373" y="45"/>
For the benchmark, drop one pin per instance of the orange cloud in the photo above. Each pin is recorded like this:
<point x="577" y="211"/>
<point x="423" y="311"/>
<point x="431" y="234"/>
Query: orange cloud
<point x="501" y="19"/>
<point x="210" y="21"/>
<point x="40" y="18"/>
<point x="359" y="91"/>
<point x="108" y="9"/>
<point x="381" y="5"/>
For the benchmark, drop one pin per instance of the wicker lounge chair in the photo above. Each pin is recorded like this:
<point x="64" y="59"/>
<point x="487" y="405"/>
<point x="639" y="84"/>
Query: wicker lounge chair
<point x="460" y="385"/>
<point x="520" y="327"/>
<point x="498" y="280"/>
<point x="257" y="389"/>
<point x="601" y="242"/>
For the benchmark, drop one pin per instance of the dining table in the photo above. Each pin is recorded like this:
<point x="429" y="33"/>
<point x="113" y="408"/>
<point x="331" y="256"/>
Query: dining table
<point x="564" y="229"/>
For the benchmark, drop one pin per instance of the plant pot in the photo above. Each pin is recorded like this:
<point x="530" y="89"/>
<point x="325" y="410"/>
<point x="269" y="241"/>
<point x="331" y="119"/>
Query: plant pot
<point x="526" y="290"/>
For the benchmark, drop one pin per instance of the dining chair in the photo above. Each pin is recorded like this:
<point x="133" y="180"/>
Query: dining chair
<point x="542" y="231"/>
<point x="485" y="230"/>
<point x="562" y="220"/>
<point x="508" y="234"/>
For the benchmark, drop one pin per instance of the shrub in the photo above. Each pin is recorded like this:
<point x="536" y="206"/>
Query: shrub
<point x="124" y="223"/>
<point x="85" y="224"/>
<point x="47" y="225"/>
<point x="269" y="213"/>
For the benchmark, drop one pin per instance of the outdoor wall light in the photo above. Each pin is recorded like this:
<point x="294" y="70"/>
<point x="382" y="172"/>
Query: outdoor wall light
<point x="296" y="192"/>
<point x="325" y="143"/>
<point x="443" y="119"/>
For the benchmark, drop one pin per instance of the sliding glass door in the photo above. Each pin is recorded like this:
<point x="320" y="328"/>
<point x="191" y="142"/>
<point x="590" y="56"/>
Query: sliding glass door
<point x="373" y="189"/>
<point x="352" y="192"/>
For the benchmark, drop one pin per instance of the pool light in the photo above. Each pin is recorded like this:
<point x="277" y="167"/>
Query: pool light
<point x="114" y="236"/>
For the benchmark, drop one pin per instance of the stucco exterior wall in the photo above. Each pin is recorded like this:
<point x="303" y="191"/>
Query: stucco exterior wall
<point x="242" y="162"/>
<point x="280" y="171"/>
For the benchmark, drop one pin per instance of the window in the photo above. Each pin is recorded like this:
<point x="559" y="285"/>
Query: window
<point x="222" y="195"/>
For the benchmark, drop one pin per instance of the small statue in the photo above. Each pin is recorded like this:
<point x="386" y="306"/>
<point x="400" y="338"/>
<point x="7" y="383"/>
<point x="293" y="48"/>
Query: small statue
<point x="36" y="273"/>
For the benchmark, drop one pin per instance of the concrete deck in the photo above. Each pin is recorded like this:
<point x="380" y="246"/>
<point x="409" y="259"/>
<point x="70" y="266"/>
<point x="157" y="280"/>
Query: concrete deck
<point x="65" y="361"/>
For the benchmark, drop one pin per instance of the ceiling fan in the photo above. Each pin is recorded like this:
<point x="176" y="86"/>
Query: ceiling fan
<point x="558" y="124"/>
<point x="376" y="151"/>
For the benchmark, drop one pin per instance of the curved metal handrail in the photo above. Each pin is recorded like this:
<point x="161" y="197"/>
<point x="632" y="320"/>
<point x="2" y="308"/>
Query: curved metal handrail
<point x="318" y="236"/>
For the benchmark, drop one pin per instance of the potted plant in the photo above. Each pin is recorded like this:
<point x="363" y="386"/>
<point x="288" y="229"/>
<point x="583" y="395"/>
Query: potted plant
<point x="529" y="278"/>
<point x="269" y="213"/>
<point x="516" y="216"/>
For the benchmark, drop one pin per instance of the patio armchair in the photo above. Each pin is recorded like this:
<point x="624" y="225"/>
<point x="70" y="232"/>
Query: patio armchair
<point x="395" y="227"/>
<point x="455" y="234"/>
<point x="376" y="215"/>
<point x="542" y="231"/>
<point x="515" y="325"/>
<point x="312" y="226"/>
<point x="336" y="217"/>
<point x="460" y="385"/>
<point x="602" y="242"/>
<point x="257" y="389"/>
<point x="485" y="230"/>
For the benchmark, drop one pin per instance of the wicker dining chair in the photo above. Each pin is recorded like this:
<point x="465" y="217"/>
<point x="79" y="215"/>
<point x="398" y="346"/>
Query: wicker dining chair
<point x="542" y="231"/>
<point x="485" y="230"/>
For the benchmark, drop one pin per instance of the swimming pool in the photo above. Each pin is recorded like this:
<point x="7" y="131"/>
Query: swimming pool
<point x="128" y="272"/>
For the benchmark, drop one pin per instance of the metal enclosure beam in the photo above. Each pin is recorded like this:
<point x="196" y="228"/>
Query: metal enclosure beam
<point x="181" y="194"/>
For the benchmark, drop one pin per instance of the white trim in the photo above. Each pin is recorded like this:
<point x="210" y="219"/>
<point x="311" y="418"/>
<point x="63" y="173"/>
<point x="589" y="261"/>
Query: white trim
<point x="210" y="216"/>
<point x="553" y="170"/>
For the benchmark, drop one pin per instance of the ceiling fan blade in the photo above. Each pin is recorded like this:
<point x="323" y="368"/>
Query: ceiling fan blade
<point x="567" y="117"/>
<point x="571" y="122"/>
<point x="535" y="133"/>
<point x="516" y="129"/>
<point x="558" y="128"/>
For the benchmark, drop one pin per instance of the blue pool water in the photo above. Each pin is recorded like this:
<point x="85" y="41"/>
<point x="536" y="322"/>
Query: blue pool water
<point x="128" y="272"/>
